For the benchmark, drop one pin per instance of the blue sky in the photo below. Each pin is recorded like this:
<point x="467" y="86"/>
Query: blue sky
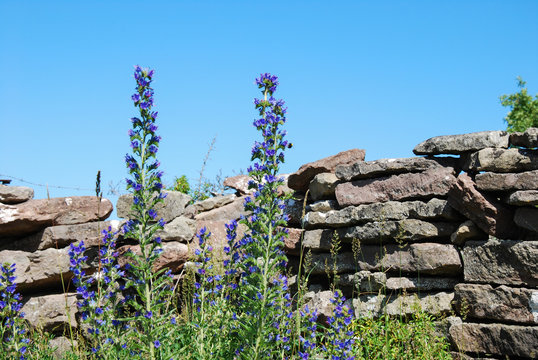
<point x="377" y="75"/>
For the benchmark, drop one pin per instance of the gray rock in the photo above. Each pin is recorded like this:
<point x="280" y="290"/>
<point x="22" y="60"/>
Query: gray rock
<point x="294" y="209"/>
<point x="173" y="257"/>
<point x="180" y="229"/>
<point x="503" y="303"/>
<point x="502" y="160"/>
<point x="301" y="178"/>
<point x="323" y="186"/>
<point x="502" y="262"/>
<point x="224" y="213"/>
<point x="459" y="144"/>
<point x="423" y="258"/>
<point x="527" y="139"/>
<point x="61" y="346"/>
<point x="390" y="210"/>
<point x="383" y="167"/>
<point x="15" y="194"/>
<point x="489" y="215"/>
<point x="467" y="231"/>
<point x="322" y="206"/>
<point x="527" y="218"/>
<point x="489" y="181"/>
<point x="427" y="184"/>
<point x="366" y="281"/>
<point x="403" y="305"/>
<point x="213" y="202"/>
<point x="62" y="235"/>
<point x="35" y="215"/>
<point x="173" y="206"/>
<point x="523" y="198"/>
<point x="320" y="301"/>
<point x="414" y="284"/>
<point x="496" y="339"/>
<point x="49" y="313"/>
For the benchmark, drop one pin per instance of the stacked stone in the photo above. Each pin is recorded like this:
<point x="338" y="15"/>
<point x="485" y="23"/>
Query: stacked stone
<point x="498" y="298"/>
<point x="35" y="235"/>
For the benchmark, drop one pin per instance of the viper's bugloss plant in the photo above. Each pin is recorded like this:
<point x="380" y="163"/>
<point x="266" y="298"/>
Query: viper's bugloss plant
<point x="13" y="333"/>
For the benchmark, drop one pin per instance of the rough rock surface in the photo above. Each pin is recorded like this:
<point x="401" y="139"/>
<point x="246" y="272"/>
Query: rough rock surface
<point x="459" y="144"/>
<point x="427" y="184"/>
<point x="173" y="205"/>
<point x="527" y="218"/>
<point x="503" y="262"/>
<point x="390" y="210"/>
<point x="383" y="167"/>
<point x="48" y="312"/>
<point x="322" y="206"/>
<point x="527" y="139"/>
<point x="467" y="231"/>
<point x="493" y="218"/>
<point x="180" y="229"/>
<point x="239" y="183"/>
<point x="294" y="209"/>
<point x="523" y="198"/>
<point x="366" y="281"/>
<point x="502" y="160"/>
<point x="490" y="181"/>
<point x="63" y="235"/>
<point x="15" y="194"/>
<point x="224" y="213"/>
<point x="503" y="303"/>
<point x="213" y="202"/>
<point x="424" y="258"/>
<point x="173" y="257"/>
<point x="301" y="178"/>
<point x="323" y="186"/>
<point x="62" y="345"/>
<point x="292" y="244"/>
<point x="496" y="339"/>
<point x="413" y="284"/>
<point x="34" y="215"/>
<point x="403" y="305"/>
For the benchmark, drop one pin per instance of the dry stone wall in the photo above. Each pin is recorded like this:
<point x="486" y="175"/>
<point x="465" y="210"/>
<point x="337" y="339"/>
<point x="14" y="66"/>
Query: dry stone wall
<point x="452" y="231"/>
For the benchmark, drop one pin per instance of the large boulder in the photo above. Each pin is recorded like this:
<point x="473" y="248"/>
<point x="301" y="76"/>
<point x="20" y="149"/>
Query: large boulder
<point x="527" y="139"/>
<point x="301" y="178"/>
<point x="173" y="206"/>
<point x="496" y="339"/>
<point x="502" y="160"/>
<point x="502" y="262"/>
<point x="490" y="216"/>
<point x="34" y="215"/>
<point x="52" y="313"/>
<point x="15" y="194"/>
<point x="383" y="167"/>
<point x="459" y="144"/>
<point x="180" y="229"/>
<point x="503" y="303"/>
<point x="427" y="184"/>
<point x="490" y="181"/>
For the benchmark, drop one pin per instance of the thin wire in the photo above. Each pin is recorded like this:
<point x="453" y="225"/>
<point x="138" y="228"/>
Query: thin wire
<point x="46" y="185"/>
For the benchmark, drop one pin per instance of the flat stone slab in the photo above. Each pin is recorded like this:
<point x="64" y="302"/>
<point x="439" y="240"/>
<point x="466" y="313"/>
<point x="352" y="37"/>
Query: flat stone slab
<point x="373" y="306"/>
<point x="489" y="215"/>
<point x="213" y="202"/>
<point x="502" y="160"/>
<point x="173" y="206"/>
<point x="227" y="212"/>
<point x="427" y="184"/>
<point x="390" y="210"/>
<point x="49" y="313"/>
<point x="502" y="303"/>
<point x="323" y="186"/>
<point x="523" y="198"/>
<point x="527" y="139"/>
<point x="239" y="183"/>
<point x="62" y="235"/>
<point x="414" y="284"/>
<point x="173" y="257"/>
<point x="467" y="231"/>
<point x="301" y="178"/>
<point x="383" y="167"/>
<point x="527" y="218"/>
<point x="34" y="215"/>
<point x="496" y="339"/>
<point x="501" y="262"/>
<point x="322" y="206"/>
<point x="459" y="144"/>
<point x="423" y="258"/>
<point x="180" y="229"/>
<point x="490" y="181"/>
<point x="15" y="194"/>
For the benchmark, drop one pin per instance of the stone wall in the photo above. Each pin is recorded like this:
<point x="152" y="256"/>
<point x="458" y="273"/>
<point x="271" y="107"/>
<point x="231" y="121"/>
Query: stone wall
<point x="453" y="231"/>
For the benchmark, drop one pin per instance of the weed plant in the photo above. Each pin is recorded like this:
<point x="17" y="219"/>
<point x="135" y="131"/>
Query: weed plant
<point x="239" y="307"/>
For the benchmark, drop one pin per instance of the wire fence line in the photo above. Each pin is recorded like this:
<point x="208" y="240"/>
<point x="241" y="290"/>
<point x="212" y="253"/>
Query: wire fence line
<point x="113" y="187"/>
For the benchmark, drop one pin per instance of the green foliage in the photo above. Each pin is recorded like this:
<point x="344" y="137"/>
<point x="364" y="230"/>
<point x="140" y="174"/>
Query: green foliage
<point x="181" y="184"/>
<point x="523" y="112"/>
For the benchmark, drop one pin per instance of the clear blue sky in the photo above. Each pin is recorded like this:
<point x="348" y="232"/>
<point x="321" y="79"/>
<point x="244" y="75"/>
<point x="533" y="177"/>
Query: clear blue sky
<point x="377" y="75"/>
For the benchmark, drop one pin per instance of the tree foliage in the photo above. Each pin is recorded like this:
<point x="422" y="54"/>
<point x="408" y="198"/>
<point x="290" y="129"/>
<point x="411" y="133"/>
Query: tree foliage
<point x="523" y="112"/>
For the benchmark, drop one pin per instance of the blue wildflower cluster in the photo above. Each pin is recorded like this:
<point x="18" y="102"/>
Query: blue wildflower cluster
<point x="339" y="336"/>
<point x="14" y="341"/>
